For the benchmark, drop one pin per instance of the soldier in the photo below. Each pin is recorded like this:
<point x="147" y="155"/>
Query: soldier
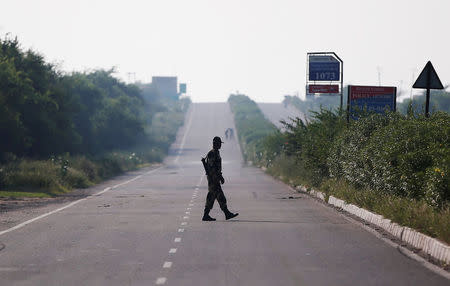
<point x="213" y="168"/>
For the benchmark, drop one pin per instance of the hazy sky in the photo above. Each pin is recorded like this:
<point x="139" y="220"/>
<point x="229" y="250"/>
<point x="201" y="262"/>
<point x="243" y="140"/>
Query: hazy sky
<point x="217" y="47"/>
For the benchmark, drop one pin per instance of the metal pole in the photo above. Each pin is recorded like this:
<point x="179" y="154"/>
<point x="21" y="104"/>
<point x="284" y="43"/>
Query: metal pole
<point x="427" y="103"/>
<point x="342" y="84"/>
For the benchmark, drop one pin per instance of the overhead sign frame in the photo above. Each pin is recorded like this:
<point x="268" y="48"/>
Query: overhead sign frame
<point x="323" y="67"/>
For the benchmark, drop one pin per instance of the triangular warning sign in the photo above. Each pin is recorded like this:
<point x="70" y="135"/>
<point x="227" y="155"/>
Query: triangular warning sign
<point x="428" y="78"/>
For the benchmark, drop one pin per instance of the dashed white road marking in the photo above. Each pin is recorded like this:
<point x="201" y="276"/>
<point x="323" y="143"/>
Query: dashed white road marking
<point x="177" y="239"/>
<point x="161" y="281"/>
<point x="20" y="225"/>
<point x="191" y="205"/>
<point x="167" y="264"/>
<point x="187" y="212"/>
<point x="184" y="223"/>
<point x="173" y="250"/>
<point x="185" y="217"/>
<point x="181" y="230"/>
<point x="188" y="209"/>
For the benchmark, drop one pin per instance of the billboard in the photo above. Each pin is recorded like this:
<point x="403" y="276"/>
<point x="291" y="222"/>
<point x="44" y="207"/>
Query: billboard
<point x="324" y="68"/>
<point x="371" y="98"/>
<point x="323" y="88"/>
<point x="166" y="85"/>
<point x="182" y="88"/>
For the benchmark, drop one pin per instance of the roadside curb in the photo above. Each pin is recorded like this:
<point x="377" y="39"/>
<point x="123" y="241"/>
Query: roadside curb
<point x="418" y="241"/>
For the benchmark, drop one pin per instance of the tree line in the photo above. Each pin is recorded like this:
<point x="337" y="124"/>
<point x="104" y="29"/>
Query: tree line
<point x="44" y="111"/>
<point x="440" y="101"/>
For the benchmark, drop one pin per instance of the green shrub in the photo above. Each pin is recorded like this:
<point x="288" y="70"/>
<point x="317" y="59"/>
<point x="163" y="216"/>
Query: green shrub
<point x="252" y="127"/>
<point x="76" y="179"/>
<point x="89" y="168"/>
<point x="27" y="175"/>
<point x="396" y="155"/>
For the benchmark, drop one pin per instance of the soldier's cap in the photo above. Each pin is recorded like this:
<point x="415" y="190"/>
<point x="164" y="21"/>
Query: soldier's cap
<point x="217" y="139"/>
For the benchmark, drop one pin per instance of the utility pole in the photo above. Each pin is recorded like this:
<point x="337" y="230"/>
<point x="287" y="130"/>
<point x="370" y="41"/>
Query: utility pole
<point x="379" y="75"/>
<point x="129" y="77"/>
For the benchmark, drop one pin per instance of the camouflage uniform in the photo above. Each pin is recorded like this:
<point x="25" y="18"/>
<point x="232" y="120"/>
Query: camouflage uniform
<point x="214" y="163"/>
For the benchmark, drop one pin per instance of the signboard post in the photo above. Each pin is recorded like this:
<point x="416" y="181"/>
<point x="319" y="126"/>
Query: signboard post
<point x="324" y="67"/>
<point x="428" y="79"/>
<point x="370" y="98"/>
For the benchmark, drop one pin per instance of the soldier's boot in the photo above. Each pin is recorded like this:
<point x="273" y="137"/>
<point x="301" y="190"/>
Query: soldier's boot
<point x="206" y="216"/>
<point x="228" y="214"/>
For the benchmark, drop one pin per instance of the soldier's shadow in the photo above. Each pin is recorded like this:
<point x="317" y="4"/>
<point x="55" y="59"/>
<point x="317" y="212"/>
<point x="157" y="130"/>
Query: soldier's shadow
<point x="265" y="221"/>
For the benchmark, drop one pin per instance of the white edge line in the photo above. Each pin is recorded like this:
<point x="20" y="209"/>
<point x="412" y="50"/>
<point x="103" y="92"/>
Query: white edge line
<point x="161" y="280"/>
<point x="20" y="225"/>
<point x="188" y="127"/>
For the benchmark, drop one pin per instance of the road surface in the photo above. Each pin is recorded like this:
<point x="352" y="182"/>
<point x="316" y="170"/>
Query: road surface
<point x="277" y="111"/>
<point x="145" y="228"/>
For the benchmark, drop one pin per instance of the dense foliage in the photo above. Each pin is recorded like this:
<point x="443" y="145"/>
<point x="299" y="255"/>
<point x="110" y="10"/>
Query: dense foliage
<point x="395" y="154"/>
<point x="44" y="112"/>
<point x="55" y="127"/>
<point x="251" y="124"/>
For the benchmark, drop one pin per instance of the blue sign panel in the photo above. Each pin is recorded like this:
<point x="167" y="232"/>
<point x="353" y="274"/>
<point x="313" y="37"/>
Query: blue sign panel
<point x="324" y="68"/>
<point x="371" y="99"/>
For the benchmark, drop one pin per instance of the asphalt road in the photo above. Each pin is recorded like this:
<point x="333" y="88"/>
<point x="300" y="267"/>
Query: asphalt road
<point x="147" y="230"/>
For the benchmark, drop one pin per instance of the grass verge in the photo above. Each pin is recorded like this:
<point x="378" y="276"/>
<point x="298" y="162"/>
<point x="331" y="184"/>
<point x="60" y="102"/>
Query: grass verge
<point x="408" y="212"/>
<point x="17" y="194"/>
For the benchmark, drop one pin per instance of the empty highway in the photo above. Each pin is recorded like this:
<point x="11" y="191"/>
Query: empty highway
<point x="145" y="228"/>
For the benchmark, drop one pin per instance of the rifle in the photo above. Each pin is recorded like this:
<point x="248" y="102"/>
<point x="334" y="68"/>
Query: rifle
<point x="205" y="166"/>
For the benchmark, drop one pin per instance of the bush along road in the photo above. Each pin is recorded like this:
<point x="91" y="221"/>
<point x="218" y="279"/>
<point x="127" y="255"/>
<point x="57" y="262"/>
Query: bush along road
<point x="393" y="165"/>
